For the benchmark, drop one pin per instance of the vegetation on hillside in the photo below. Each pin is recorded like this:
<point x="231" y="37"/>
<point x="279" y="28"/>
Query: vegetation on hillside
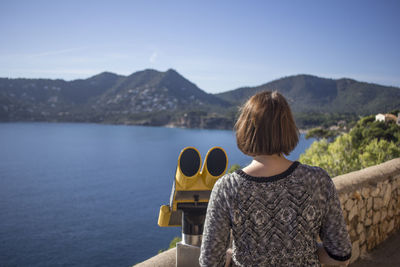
<point x="310" y="94"/>
<point x="307" y="120"/>
<point x="369" y="143"/>
<point x="320" y="133"/>
<point x="150" y="97"/>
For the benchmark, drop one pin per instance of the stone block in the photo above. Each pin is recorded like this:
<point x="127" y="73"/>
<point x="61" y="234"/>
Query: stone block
<point x="353" y="235"/>
<point x="383" y="229"/>
<point x="368" y="222"/>
<point x="383" y="214"/>
<point x="342" y="198"/>
<point x="375" y="192"/>
<point x="362" y="203"/>
<point x="376" y="217"/>
<point x="392" y="203"/>
<point x="369" y="203"/>
<point x="363" y="212"/>
<point x="349" y="204"/>
<point x="370" y="232"/>
<point x="394" y="184"/>
<point x="365" y="192"/>
<point x="360" y="228"/>
<point x="357" y="195"/>
<point x="362" y="237"/>
<point x="370" y="246"/>
<point x="380" y="185"/>
<point x="387" y="195"/>
<point x="378" y="203"/>
<point x="390" y="213"/>
<point x="353" y="212"/>
<point x="370" y="213"/>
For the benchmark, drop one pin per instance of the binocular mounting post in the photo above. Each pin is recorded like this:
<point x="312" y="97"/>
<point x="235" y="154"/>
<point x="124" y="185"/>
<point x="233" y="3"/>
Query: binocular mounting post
<point x="193" y="216"/>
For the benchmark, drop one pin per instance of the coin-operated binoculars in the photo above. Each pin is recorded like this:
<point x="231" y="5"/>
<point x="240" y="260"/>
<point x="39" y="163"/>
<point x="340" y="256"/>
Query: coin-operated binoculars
<point x="189" y="198"/>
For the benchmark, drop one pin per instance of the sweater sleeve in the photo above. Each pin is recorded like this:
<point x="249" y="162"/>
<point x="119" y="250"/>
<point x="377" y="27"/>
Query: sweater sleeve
<point x="216" y="227"/>
<point x="334" y="235"/>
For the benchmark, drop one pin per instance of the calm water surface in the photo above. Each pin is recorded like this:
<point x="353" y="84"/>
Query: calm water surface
<point x="88" y="194"/>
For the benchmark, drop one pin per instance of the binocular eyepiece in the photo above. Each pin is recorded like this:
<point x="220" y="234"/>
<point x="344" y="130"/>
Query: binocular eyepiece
<point x="188" y="174"/>
<point x="191" y="189"/>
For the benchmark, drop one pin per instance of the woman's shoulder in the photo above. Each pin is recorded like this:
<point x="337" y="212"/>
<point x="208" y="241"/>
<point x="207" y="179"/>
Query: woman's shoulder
<point x="312" y="170"/>
<point x="314" y="175"/>
<point x="229" y="181"/>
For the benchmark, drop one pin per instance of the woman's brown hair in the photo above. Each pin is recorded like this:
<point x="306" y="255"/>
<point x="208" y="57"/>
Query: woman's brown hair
<point x="266" y="126"/>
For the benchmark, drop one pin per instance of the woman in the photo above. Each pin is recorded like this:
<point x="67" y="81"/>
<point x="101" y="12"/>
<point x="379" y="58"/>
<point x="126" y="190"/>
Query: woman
<point x="275" y="208"/>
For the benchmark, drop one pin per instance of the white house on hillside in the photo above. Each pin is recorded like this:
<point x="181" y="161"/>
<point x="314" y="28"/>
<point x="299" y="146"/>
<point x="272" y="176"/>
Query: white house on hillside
<point x="388" y="117"/>
<point x="380" y="117"/>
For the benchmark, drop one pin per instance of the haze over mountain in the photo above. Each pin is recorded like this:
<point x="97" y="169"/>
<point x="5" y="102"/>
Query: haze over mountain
<point x="151" y="97"/>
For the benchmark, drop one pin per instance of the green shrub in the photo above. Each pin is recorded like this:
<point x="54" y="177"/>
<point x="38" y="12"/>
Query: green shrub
<point x="367" y="144"/>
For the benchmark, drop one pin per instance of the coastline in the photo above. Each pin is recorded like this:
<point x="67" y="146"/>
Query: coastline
<point x="129" y="123"/>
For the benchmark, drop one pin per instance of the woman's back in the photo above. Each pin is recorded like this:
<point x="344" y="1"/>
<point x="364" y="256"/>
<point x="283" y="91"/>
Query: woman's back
<point x="276" y="220"/>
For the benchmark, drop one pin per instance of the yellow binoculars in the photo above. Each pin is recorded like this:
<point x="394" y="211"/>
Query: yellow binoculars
<point x="192" y="187"/>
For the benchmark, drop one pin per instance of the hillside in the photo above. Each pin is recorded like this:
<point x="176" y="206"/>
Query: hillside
<point x="308" y="93"/>
<point x="146" y="97"/>
<point x="151" y="97"/>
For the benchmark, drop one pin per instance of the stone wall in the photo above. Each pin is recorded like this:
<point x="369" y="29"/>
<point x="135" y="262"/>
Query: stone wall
<point x="370" y="201"/>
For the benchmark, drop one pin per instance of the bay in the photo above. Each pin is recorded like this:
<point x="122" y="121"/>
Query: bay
<point x="88" y="194"/>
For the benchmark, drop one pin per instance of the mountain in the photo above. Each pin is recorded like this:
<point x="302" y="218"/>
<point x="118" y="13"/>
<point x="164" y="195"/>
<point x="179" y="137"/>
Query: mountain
<point x="307" y="93"/>
<point x="146" y="97"/>
<point x="151" y="97"/>
<point x="153" y="91"/>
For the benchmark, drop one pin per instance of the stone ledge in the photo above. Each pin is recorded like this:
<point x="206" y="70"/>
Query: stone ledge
<point x="165" y="259"/>
<point x="369" y="176"/>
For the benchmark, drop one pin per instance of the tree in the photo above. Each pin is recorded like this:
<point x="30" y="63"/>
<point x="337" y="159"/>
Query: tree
<point x="319" y="133"/>
<point x="379" y="151"/>
<point x="336" y="158"/>
<point x="367" y="144"/>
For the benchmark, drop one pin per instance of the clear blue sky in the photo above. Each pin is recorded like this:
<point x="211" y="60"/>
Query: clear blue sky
<point x="218" y="45"/>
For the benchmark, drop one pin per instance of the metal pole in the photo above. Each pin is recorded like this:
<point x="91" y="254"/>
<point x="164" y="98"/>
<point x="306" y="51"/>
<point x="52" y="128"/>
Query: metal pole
<point x="188" y="250"/>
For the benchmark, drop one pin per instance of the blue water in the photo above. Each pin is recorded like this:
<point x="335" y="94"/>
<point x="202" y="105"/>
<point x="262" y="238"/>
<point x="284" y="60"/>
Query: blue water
<point x="88" y="194"/>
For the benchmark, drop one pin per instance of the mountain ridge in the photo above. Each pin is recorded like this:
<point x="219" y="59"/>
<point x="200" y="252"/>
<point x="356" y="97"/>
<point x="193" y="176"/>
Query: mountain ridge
<point x="335" y="97"/>
<point x="152" y="97"/>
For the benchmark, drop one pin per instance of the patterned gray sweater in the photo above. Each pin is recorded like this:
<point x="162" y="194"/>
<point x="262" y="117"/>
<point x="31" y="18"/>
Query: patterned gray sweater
<point x="275" y="221"/>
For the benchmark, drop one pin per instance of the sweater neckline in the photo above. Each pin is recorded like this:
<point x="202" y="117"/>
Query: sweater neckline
<point x="268" y="179"/>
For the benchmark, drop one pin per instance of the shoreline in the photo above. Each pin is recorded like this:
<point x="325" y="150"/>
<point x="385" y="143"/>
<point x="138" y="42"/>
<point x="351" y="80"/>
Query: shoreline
<point x="301" y="131"/>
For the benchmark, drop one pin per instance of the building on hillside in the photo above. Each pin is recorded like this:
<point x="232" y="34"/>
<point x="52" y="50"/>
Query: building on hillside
<point x="380" y="117"/>
<point x="390" y="117"/>
<point x="387" y="117"/>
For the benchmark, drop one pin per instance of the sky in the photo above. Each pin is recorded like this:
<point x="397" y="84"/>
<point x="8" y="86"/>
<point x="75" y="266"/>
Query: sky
<point x="218" y="45"/>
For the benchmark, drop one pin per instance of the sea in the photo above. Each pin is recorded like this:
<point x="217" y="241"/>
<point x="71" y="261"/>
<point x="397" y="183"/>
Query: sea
<point x="80" y="194"/>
